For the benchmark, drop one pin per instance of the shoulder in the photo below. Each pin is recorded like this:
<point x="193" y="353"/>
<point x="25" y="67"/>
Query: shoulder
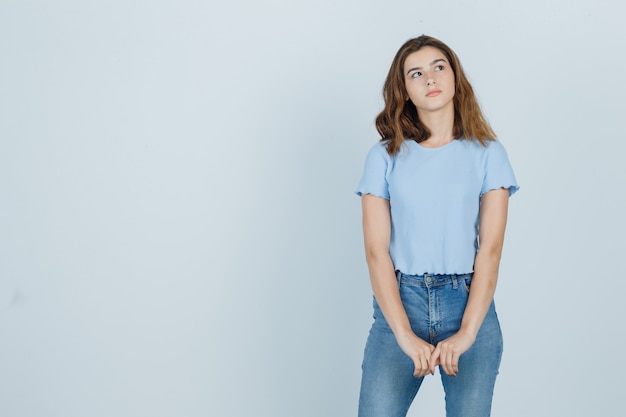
<point x="495" y="149"/>
<point x="379" y="152"/>
<point x="476" y="145"/>
<point x="379" y="148"/>
<point x="491" y="147"/>
<point x="495" y="146"/>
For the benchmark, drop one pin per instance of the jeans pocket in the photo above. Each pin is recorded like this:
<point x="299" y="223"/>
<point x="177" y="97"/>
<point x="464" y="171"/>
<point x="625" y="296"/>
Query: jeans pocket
<point x="465" y="284"/>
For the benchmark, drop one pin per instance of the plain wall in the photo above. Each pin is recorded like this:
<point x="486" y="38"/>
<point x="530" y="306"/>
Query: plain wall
<point x="178" y="230"/>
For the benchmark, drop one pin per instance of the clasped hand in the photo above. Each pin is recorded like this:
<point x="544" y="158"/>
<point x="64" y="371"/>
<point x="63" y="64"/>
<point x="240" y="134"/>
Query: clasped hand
<point x="427" y="357"/>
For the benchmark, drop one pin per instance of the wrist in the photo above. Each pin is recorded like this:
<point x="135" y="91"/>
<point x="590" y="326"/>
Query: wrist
<point x="404" y="333"/>
<point x="468" y="331"/>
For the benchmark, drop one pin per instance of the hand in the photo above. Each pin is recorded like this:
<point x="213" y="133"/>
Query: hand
<point x="419" y="351"/>
<point x="448" y="352"/>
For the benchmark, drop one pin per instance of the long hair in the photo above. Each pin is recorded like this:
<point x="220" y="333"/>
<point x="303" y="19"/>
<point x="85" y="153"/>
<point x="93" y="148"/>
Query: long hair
<point x="399" y="120"/>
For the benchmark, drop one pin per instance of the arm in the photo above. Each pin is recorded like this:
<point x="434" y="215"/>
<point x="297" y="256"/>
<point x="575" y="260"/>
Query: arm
<point x="492" y="223"/>
<point x="377" y="232"/>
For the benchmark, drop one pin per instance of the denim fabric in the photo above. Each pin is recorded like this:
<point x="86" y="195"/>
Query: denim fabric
<point x="435" y="305"/>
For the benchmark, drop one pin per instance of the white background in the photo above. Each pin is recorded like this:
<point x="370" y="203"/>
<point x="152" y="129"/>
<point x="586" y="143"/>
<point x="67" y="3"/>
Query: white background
<point x="178" y="230"/>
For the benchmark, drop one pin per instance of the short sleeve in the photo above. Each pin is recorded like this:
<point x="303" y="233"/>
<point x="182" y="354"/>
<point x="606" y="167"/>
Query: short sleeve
<point x="498" y="170"/>
<point x="374" y="178"/>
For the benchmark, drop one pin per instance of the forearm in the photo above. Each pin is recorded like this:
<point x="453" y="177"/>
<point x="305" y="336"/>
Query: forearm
<point x="385" y="287"/>
<point x="483" y="287"/>
<point x="493" y="213"/>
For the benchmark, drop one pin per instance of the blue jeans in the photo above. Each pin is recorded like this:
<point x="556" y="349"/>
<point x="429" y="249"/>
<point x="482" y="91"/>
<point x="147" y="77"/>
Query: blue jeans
<point x="435" y="305"/>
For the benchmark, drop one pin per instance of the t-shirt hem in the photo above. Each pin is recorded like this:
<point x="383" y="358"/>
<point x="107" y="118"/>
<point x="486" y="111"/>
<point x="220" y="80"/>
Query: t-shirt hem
<point x="436" y="273"/>
<point x="511" y="187"/>
<point x="362" y="193"/>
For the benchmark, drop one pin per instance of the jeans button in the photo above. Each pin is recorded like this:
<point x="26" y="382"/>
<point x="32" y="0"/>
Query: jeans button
<point x="428" y="279"/>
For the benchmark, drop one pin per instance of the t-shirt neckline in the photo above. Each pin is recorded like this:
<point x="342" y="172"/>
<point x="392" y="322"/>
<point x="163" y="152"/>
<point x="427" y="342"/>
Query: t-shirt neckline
<point x="424" y="148"/>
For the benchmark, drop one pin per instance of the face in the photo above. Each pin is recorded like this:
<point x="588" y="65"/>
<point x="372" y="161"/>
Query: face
<point x="429" y="80"/>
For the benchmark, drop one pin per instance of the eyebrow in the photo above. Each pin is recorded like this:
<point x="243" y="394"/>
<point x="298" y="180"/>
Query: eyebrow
<point x="431" y="64"/>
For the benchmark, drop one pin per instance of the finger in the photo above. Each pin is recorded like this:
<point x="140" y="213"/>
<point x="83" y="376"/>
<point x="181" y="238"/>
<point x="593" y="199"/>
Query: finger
<point x="423" y="365"/>
<point x="418" y="367"/>
<point x="443" y="363"/>
<point x="446" y="361"/>
<point x="419" y="371"/>
<point x="455" y="364"/>
<point x="434" y="359"/>
<point x="452" y="364"/>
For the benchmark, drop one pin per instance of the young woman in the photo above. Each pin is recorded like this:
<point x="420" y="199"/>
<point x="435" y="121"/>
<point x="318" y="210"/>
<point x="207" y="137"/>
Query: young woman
<point x="435" y="195"/>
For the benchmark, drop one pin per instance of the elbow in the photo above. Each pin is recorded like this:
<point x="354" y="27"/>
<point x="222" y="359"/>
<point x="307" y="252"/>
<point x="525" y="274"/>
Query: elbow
<point x="375" y="256"/>
<point x="490" y="253"/>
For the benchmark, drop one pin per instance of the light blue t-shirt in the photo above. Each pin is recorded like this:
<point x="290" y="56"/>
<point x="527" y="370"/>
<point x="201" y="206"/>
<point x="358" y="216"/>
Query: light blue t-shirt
<point x="434" y="195"/>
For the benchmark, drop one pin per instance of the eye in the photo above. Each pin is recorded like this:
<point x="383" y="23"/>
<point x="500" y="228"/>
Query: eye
<point x="439" y="68"/>
<point x="416" y="74"/>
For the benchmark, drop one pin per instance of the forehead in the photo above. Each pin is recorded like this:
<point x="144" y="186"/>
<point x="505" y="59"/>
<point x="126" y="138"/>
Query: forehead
<point x="423" y="58"/>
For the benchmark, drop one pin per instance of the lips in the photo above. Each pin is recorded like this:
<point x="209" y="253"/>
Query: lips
<point x="433" y="93"/>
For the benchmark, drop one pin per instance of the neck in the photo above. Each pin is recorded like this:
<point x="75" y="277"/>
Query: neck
<point x="440" y="124"/>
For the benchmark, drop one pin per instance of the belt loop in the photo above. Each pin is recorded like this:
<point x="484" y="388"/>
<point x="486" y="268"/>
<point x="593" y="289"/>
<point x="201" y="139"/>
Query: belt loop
<point x="455" y="283"/>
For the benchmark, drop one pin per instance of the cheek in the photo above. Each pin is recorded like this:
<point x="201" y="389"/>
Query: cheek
<point x="450" y="79"/>
<point x="411" y="90"/>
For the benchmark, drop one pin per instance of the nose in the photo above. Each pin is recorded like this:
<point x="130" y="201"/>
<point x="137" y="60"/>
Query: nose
<point x="430" y="81"/>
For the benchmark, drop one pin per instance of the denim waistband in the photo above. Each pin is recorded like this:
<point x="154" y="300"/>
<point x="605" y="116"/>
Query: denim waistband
<point x="433" y="279"/>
